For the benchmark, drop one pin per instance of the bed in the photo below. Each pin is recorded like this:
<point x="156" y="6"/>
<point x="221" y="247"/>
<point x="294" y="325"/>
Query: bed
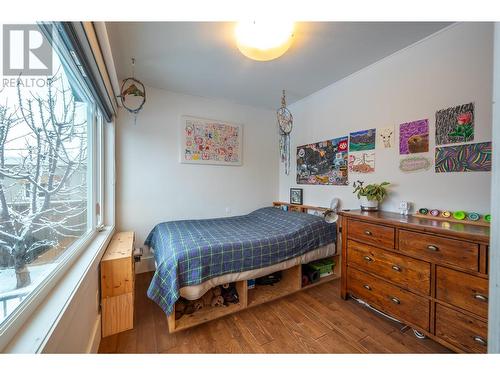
<point x="194" y="255"/>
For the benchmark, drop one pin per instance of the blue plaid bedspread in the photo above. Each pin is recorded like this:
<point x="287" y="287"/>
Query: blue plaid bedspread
<point x="189" y="252"/>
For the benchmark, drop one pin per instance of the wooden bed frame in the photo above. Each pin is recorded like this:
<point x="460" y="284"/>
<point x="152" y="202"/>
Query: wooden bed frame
<point x="291" y="282"/>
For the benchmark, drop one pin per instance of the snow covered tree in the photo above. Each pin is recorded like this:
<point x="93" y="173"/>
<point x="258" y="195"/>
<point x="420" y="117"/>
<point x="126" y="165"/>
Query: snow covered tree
<point x="43" y="182"/>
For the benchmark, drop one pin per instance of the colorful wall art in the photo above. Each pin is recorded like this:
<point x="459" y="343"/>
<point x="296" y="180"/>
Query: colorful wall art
<point x="455" y="124"/>
<point x="206" y="141"/>
<point x="362" y="140"/>
<point x="386" y="137"/>
<point x="414" y="164"/>
<point x="362" y="162"/>
<point x="414" y="137"/>
<point x="464" y="158"/>
<point x="323" y="163"/>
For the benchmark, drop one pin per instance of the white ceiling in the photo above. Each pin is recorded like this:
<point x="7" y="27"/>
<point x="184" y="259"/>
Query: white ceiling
<point x="201" y="58"/>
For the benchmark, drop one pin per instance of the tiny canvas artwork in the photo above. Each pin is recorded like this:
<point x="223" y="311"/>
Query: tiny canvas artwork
<point x="455" y="124"/>
<point x="386" y="137"/>
<point x="362" y="141"/>
<point x="414" y="137"/>
<point x="323" y="163"/>
<point x="415" y="164"/>
<point x="464" y="158"/>
<point x="210" y="142"/>
<point x="362" y="162"/>
<point x="296" y="196"/>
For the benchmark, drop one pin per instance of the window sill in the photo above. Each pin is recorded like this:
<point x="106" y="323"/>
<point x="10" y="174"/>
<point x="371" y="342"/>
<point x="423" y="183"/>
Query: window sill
<point x="35" y="333"/>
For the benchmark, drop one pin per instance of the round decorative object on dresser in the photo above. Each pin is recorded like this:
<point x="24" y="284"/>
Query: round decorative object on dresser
<point x="446" y="214"/>
<point x="423" y="211"/>
<point x="473" y="216"/>
<point x="459" y="215"/>
<point x="435" y="212"/>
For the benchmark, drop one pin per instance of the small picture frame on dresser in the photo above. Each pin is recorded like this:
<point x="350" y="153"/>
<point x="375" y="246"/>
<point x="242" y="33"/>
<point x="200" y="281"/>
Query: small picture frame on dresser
<point x="296" y="196"/>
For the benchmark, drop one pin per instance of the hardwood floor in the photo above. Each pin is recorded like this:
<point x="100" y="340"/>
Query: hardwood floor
<point x="316" y="320"/>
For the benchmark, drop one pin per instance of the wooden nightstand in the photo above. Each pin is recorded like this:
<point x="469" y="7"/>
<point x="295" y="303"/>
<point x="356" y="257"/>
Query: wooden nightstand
<point x="117" y="284"/>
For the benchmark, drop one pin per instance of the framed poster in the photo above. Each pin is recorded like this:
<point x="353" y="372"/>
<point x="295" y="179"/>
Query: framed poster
<point x="204" y="141"/>
<point x="296" y="196"/>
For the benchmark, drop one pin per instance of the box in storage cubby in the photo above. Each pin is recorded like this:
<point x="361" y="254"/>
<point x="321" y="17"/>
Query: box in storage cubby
<point x="323" y="266"/>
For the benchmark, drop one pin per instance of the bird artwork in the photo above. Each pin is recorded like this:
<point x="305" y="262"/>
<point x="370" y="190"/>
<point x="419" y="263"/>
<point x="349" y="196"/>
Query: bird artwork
<point x="135" y="90"/>
<point x="132" y="90"/>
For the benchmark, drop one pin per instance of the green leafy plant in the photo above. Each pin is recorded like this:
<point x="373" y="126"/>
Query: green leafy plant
<point x="372" y="192"/>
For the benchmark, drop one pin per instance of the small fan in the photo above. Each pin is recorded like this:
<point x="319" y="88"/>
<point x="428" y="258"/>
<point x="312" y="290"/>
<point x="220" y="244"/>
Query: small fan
<point x="331" y="215"/>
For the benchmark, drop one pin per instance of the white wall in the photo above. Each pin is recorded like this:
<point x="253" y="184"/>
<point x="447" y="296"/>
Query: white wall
<point x="153" y="186"/>
<point x="449" y="68"/>
<point x="494" y="295"/>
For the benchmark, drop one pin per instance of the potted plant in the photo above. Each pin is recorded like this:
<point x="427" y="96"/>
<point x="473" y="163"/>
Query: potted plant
<point x="370" y="195"/>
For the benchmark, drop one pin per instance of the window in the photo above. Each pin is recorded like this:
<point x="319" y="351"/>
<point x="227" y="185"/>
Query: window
<point x="50" y="137"/>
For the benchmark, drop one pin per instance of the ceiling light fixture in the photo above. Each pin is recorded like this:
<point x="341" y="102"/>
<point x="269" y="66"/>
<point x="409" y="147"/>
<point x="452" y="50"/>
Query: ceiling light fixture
<point x="264" y="40"/>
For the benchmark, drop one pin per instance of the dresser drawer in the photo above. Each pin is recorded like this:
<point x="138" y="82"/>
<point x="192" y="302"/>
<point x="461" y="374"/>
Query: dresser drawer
<point x="407" y="272"/>
<point x="389" y="298"/>
<point x="462" y="290"/>
<point x="439" y="249"/>
<point x="463" y="331"/>
<point x="371" y="233"/>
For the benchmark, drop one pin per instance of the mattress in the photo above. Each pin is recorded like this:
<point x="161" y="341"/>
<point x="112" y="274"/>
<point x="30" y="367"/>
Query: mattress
<point x="196" y="291"/>
<point x="189" y="253"/>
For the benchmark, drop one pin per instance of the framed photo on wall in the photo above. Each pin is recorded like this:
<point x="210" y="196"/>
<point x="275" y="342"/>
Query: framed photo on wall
<point x="205" y="141"/>
<point x="296" y="196"/>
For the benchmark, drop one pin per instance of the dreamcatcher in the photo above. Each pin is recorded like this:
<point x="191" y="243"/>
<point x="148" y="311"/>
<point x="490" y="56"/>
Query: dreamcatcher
<point x="285" y="122"/>
<point x="132" y="94"/>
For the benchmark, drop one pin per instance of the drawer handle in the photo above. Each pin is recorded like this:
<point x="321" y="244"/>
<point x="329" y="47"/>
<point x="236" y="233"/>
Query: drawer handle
<point x="480" y="340"/>
<point x="432" y="247"/>
<point x="480" y="297"/>
<point x="368" y="233"/>
<point x="367" y="258"/>
<point x="395" y="300"/>
<point x="396" y="268"/>
<point x="367" y="287"/>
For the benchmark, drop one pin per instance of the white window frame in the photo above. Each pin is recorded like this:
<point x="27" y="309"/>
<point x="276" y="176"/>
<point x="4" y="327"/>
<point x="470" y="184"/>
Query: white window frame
<point x="100" y="168"/>
<point x="15" y="321"/>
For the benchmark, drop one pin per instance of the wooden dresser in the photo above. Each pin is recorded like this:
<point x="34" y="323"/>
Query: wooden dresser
<point x="430" y="274"/>
<point x="117" y="284"/>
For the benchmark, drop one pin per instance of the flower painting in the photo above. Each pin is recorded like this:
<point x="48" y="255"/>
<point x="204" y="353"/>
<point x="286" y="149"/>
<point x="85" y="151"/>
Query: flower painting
<point x="455" y="124"/>
<point x="414" y="137"/>
<point x="210" y="142"/>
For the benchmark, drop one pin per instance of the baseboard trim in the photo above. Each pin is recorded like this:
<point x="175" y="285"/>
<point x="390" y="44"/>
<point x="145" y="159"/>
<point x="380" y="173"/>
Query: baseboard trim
<point x="95" y="339"/>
